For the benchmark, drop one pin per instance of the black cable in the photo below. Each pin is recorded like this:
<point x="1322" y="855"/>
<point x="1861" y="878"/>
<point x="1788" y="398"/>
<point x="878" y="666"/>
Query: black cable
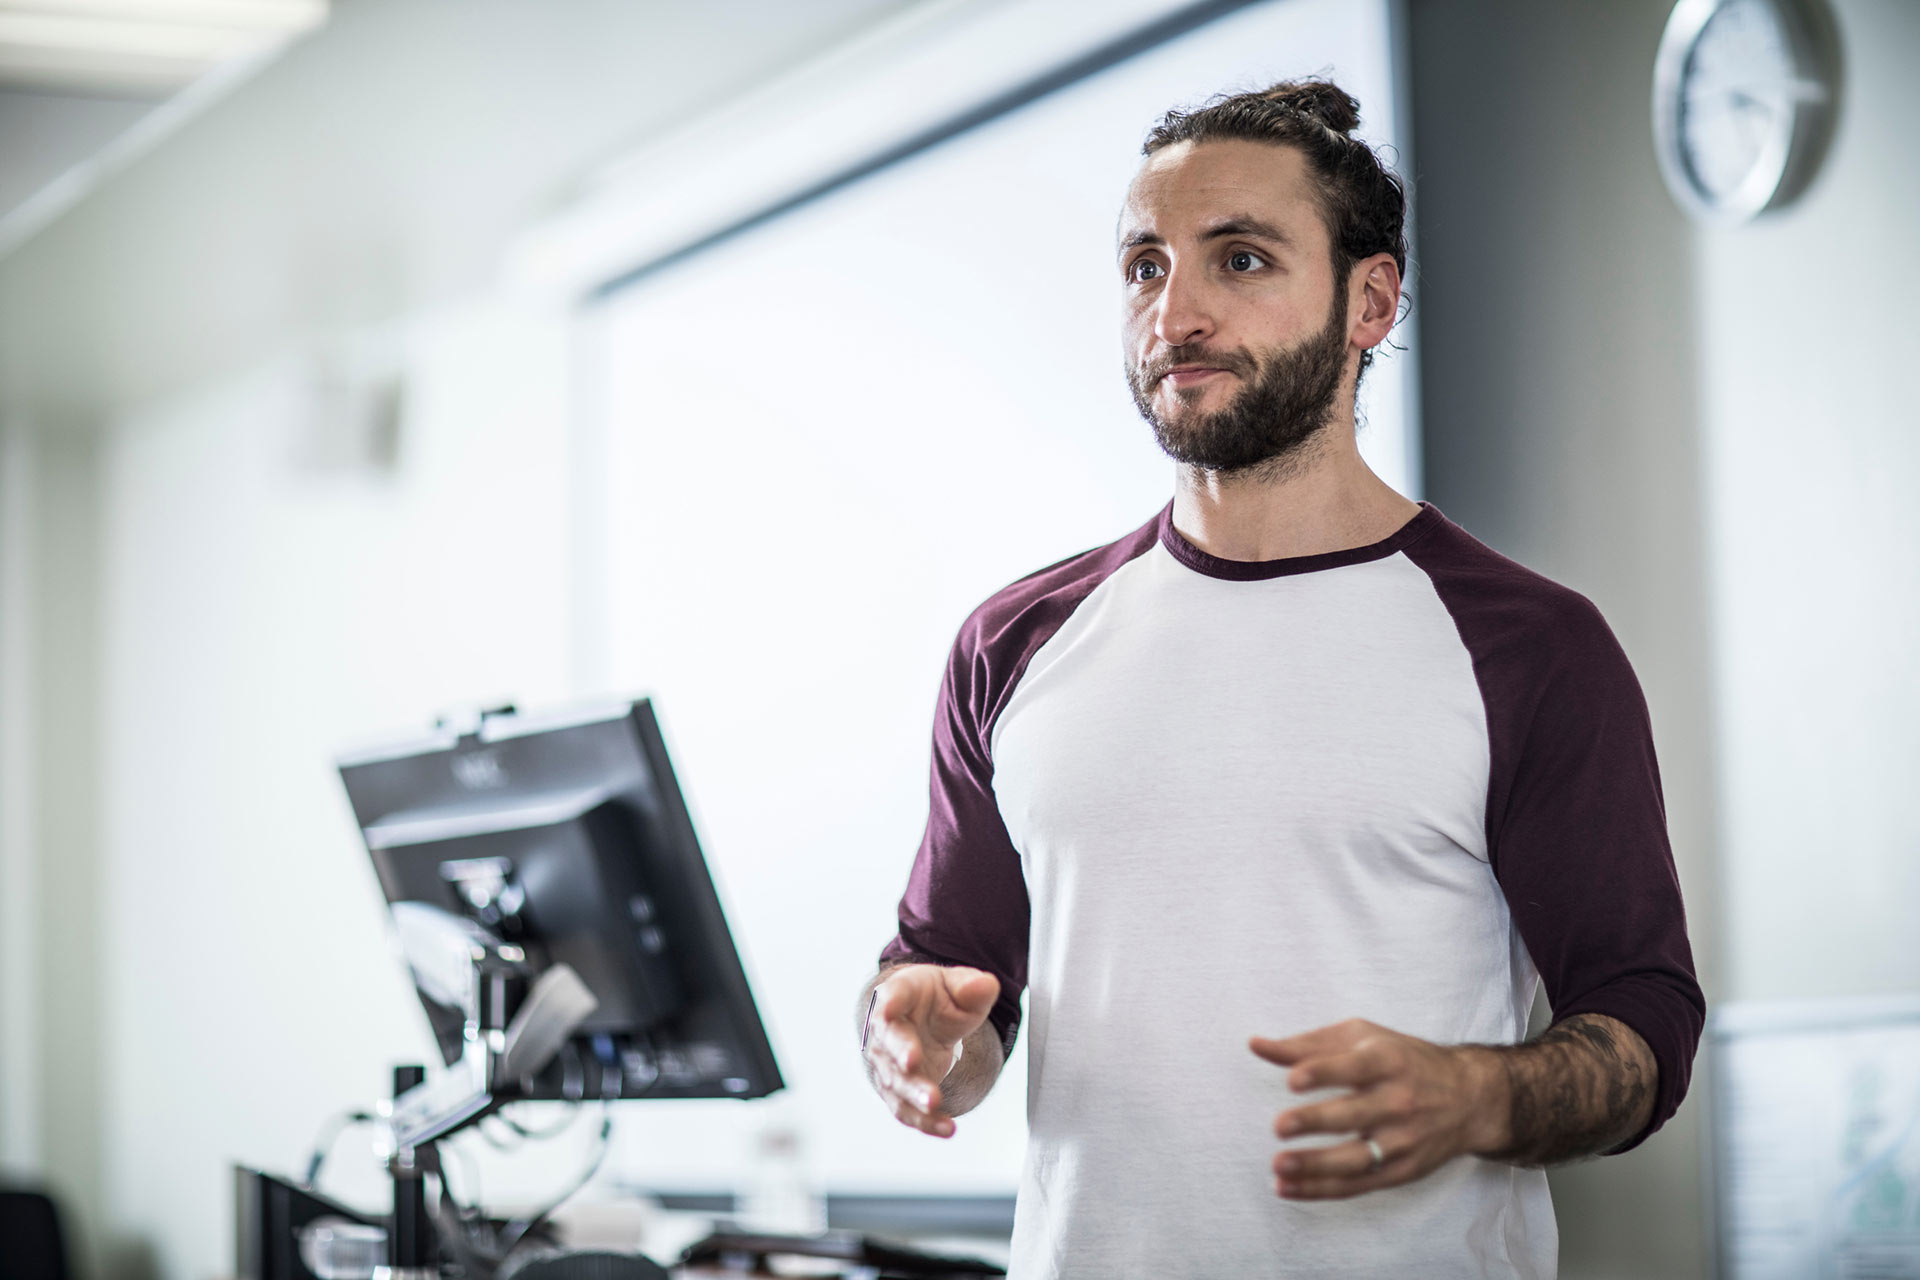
<point x="457" y="1229"/>
<point x="330" y="1132"/>
<point x="610" y="1088"/>
<point x="469" y="1177"/>
<point x="480" y="1127"/>
<point x="517" y="1231"/>
<point x="523" y="1134"/>
<point x="551" y="1131"/>
<point x="468" y="1228"/>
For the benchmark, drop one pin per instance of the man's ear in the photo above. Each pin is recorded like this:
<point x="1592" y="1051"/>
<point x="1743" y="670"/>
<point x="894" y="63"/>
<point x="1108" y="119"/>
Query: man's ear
<point x="1374" y="301"/>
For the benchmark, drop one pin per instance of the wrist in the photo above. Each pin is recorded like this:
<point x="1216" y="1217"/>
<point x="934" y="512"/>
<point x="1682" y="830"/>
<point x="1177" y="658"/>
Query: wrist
<point x="1490" y="1092"/>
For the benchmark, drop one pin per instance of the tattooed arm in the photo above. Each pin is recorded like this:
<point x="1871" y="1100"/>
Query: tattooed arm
<point x="1584" y="1086"/>
<point x="1581" y="1087"/>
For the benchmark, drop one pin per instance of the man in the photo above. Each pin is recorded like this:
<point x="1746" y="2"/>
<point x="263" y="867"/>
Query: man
<point x="1297" y="789"/>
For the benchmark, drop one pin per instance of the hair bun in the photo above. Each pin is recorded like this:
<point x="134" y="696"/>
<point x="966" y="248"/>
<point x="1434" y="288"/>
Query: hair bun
<point x="1328" y="103"/>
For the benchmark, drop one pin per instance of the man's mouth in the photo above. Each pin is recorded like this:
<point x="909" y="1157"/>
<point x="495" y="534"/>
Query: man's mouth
<point x="1188" y="375"/>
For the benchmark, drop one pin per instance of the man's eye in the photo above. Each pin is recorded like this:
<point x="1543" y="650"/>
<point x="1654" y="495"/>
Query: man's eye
<point x="1244" y="261"/>
<point x="1143" y="266"/>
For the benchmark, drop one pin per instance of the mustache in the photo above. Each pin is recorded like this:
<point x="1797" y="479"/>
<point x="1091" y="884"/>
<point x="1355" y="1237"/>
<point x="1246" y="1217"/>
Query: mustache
<point x="1232" y="361"/>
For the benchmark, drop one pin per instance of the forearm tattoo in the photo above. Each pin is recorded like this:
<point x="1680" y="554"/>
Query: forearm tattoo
<point x="1581" y="1087"/>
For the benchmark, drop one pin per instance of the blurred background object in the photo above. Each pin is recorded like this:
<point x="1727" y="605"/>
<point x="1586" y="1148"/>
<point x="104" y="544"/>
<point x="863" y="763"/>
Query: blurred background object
<point x="32" y="1245"/>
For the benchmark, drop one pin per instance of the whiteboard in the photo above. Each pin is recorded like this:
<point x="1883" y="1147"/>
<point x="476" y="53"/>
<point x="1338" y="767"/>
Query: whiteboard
<point x="825" y="441"/>
<point x="1816" y="1122"/>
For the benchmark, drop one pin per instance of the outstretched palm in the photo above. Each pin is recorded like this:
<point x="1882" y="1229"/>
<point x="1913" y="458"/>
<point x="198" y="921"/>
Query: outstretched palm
<point x="921" y="1013"/>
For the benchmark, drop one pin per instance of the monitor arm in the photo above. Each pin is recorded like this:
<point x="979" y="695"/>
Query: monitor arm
<point x="513" y="1031"/>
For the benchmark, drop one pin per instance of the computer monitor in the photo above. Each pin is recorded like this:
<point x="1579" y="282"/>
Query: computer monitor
<point x="525" y="844"/>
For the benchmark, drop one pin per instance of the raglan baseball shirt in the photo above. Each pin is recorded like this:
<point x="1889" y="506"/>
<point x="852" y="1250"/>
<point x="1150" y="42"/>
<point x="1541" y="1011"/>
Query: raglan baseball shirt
<point x="1180" y="801"/>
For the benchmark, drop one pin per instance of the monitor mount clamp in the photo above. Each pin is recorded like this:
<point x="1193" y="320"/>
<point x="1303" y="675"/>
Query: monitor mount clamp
<point x="514" y="1029"/>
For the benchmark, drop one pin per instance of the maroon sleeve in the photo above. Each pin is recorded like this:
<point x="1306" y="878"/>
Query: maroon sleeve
<point x="966" y="899"/>
<point x="1576" y="823"/>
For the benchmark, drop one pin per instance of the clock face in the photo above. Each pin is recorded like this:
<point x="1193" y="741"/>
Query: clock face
<point x="1737" y="102"/>
<point x="1736" y="97"/>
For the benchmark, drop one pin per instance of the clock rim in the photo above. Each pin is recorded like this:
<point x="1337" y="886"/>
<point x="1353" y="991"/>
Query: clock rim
<point x="1791" y="155"/>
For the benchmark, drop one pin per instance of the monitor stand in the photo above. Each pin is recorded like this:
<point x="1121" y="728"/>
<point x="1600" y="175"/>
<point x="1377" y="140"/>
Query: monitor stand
<point x="512" y="1032"/>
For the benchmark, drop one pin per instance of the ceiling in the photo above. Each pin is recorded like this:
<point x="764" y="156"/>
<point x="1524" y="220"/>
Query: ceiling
<point x="380" y="166"/>
<point x="144" y="48"/>
<point x="77" y="77"/>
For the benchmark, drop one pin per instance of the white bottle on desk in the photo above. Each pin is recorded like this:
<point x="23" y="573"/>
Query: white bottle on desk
<point x="782" y="1197"/>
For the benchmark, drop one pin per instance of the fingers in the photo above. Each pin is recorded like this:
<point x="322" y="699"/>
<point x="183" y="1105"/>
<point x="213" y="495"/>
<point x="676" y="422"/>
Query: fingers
<point x="1355" y="1068"/>
<point x="1334" y="1173"/>
<point x="906" y="1065"/>
<point x="899" y="1064"/>
<point x="945" y="1003"/>
<point x="919" y="1015"/>
<point x="916" y="1066"/>
<point x="934" y="1125"/>
<point x="1353" y="1113"/>
<point x="961" y="1000"/>
<point x="1308" y="1044"/>
<point x="912" y="1050"/>
<point x="915" y="1106"/>
<point x="1413" y="1097"/>
<point x="896" y="1000"/>
<point x="901" y="1042"/>
<point x="973" y="991"/>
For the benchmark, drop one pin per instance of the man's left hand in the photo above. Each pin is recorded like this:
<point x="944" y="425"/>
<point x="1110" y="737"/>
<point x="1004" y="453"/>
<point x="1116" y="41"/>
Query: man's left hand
<point x="1422" y="1103"/>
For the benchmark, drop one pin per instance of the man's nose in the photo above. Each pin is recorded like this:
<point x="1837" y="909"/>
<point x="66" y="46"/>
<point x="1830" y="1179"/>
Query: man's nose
<point x="1182" y="314"/>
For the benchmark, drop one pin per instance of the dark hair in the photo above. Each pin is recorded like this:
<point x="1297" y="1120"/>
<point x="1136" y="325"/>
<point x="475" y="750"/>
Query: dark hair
<point x="1362" y="201"/>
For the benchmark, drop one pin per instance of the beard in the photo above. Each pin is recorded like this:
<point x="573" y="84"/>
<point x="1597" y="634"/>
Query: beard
<point x="1285" y="401"/>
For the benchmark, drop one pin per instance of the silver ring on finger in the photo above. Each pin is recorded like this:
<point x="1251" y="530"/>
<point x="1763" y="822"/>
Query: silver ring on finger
<point x="1378" y="1156"/>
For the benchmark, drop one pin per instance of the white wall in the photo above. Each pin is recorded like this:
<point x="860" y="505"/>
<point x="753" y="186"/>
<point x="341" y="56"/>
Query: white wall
<point x="1709" y="430"/>
<point x="1559" y="330"/>
<point x="20" y="1146"/>
<point x="50" y="635"/>
<point x="1811" y="417"/>
<point x="256" y="614"/>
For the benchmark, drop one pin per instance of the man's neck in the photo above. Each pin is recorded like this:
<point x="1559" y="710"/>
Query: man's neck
<point x="1327" y="499"/>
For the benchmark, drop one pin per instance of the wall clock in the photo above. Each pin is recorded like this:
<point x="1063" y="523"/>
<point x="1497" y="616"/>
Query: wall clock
<point x="1744" y="98"/>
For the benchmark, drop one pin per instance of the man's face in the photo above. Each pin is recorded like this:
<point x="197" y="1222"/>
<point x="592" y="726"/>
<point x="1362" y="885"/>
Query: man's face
<point x="1237" y="341"/>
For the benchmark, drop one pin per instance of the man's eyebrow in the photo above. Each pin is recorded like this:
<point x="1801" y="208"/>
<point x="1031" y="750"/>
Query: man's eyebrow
<point x="1237" y="225"/>
<point x="1243" y="225"/>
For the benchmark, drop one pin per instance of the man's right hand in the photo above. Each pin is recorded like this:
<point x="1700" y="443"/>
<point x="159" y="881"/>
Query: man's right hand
<point x="920" y="1015"/>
